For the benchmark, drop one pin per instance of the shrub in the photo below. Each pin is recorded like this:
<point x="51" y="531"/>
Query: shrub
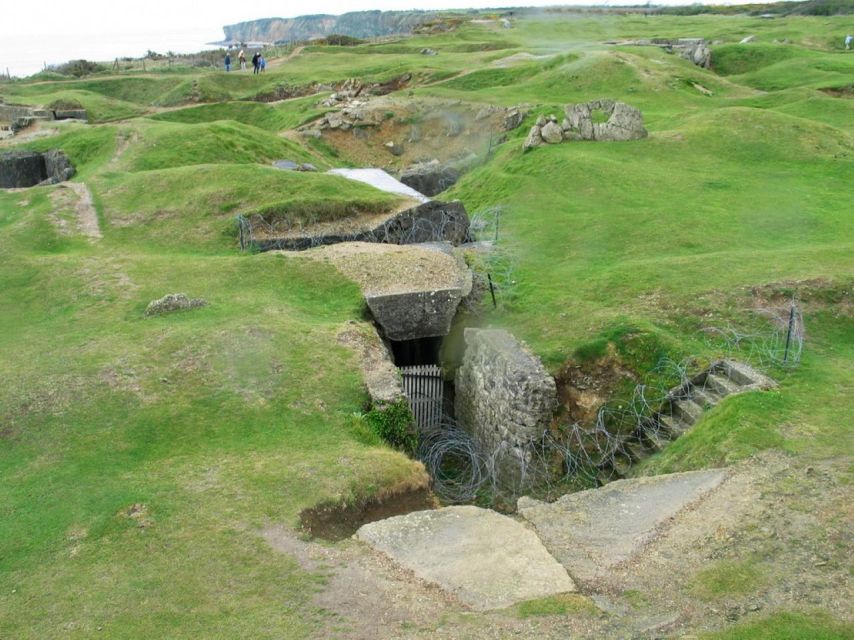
<point x="395" y="425"/>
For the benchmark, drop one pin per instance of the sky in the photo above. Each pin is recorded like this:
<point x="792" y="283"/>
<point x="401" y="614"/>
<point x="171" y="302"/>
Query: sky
<point x="94" y="17"/>
<point x="55" y="31"/>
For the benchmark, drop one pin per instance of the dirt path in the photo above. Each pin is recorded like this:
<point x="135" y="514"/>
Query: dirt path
<point x="84" y="210"/>
<point x="277" y="62"/>
<point x="763" y="520"/>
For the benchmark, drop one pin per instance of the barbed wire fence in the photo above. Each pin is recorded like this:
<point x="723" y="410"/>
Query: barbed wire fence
<point x="577" y="454"/>
<point x="257" y="233"/>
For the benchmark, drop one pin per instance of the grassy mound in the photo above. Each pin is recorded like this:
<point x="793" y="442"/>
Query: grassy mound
<point x="733" y="59"/>
<point x="193" y="207"/>
<point x="166" y="145"/>
<point x="264" y="116"/>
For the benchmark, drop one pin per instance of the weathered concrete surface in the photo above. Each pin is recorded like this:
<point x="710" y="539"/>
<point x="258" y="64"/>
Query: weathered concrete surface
<point x="430" y="221"/>
<point x="487" y="560"/>
<point x="430" y="178"/>
<point x="416" y="314"/>
<point x="593" y="531"/>
<point x="505" y="398"/>
<point x="21" y="169"/>
<point x="380" y="375"/>
<point x="412" y="290"/>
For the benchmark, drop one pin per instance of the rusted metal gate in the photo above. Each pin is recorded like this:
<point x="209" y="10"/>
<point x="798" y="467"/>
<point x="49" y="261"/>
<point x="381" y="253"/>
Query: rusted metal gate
<point x="424" y="388"/>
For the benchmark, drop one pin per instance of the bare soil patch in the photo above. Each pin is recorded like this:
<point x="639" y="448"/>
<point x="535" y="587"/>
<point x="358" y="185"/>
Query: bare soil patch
<point x="337" y="521"/>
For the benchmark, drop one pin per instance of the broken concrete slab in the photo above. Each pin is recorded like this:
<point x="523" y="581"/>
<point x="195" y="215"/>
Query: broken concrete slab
<point x="487" y="560"/>
<point x="415" y="314"/>
<point x="594" y="531"/>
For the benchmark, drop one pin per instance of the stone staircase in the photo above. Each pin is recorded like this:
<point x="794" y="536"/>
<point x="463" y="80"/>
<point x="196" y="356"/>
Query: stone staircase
<point x="681" y="409"/>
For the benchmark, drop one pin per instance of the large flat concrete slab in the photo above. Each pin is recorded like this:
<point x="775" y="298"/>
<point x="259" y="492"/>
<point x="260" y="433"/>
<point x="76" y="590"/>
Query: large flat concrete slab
<point x="487" y="560"/>
<point x="593" y="531"/>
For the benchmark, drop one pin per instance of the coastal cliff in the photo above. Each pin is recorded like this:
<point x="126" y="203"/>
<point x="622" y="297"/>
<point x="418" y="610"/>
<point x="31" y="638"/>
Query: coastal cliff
<point x="357" y="24"/>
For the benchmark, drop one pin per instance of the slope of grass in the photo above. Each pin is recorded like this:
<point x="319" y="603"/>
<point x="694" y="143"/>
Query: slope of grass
<point x="165" y="145"/>
<point x="141" y="456"/>
<point x="194" y="207"/>
<point x="271" y="118"/>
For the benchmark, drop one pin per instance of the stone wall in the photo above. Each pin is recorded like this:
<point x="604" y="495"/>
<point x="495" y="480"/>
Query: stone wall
<point x="505" y="399"/>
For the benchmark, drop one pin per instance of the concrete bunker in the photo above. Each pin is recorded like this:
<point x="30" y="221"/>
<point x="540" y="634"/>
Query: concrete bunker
<point x="22" y="169"/>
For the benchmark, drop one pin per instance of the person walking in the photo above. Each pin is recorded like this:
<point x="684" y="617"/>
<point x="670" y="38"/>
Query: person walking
<point x="227" y="62"/>
<point x="262" y="63"/>
<point x="255" y="63"/>
<point x="242" y="58"/>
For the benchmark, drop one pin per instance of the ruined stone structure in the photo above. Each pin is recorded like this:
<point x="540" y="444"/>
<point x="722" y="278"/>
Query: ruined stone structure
<point x="505" y="399"/>
<point x="430" y="178"/>
<point x="20" y="117"/>
<point x="617" y="121"/>
<point x="21" y="169"/>
<point x="428" y="222"/>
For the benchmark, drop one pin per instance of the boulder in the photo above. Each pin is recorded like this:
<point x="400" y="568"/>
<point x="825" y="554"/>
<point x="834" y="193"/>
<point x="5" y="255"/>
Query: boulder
<point x="552" y="133"/>
<point x="394" y="148"/>
<point x="286" y="165"/>
<point x="534" y="139"/>
<point x="624" y="122"/>
<point x="173" y="302"/>
<point x="513" y="119"/>
<point x="429" y="52"/>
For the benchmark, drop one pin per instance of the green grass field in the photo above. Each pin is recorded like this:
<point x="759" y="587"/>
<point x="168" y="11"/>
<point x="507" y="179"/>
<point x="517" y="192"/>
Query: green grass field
<point x="140" y="456"/>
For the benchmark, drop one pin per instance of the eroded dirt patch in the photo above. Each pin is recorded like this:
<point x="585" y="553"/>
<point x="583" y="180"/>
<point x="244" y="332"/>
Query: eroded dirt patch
<point x="337" y="521"/>
<point x="583" y="387"/>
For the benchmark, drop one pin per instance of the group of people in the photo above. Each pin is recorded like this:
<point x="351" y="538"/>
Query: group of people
<point x="259" y="64"/>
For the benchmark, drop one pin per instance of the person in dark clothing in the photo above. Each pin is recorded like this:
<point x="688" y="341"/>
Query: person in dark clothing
<point x="255" y="62"/>
<point x="227" y="61"/>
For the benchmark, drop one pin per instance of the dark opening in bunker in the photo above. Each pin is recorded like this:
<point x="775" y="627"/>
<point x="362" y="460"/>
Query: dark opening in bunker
<point x="420" y="351"/>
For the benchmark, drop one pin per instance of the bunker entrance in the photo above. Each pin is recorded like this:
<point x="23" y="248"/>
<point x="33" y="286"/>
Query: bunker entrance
<point x="420" y="351"/>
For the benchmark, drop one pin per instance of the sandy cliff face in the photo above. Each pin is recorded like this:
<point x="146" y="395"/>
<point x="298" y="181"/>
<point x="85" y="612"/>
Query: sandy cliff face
<point x="359" y="24"/>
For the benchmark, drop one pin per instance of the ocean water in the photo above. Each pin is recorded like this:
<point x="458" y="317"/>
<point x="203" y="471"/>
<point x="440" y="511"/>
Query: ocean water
<point x="25" y="55"/>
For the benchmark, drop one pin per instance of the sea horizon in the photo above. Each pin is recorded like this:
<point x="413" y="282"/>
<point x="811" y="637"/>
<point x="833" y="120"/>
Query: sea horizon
<point x="25" y="55"/>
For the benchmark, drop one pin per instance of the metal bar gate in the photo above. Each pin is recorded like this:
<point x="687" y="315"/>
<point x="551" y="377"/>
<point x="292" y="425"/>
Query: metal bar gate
<point x="424" y="388"/>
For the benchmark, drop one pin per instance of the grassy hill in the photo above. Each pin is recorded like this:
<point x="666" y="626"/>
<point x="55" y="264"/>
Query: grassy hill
<point x="140" y="456"/>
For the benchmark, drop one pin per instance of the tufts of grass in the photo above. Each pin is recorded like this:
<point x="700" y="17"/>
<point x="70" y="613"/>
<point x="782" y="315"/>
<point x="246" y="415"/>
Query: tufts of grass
<point x="568" y="604"/>
<point x="788" y="625"/>
<point x="727" y="578"/>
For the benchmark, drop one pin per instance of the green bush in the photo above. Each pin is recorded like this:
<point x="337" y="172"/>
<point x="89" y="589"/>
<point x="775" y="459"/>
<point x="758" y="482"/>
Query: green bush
<point x="395" y="425"/>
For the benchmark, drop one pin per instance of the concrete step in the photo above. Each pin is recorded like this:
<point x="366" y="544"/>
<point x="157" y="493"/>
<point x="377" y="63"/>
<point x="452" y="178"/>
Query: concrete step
<point x="622" y="465"/>
<point x="686" y="410"/>
<point x="637" y="450"/>
<point x="656" y="438"/>
<point x="703" y="399"/>
<point x="721" y="385"/>
<point x="674" y="426"/>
